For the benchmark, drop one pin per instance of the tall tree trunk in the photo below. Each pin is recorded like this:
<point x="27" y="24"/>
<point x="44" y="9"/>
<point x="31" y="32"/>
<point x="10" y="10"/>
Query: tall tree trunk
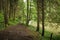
<point x="14" y="8"/>
<point x="42" y="17"/>
<point x="27" y="21"/>
<point x="0" y="4"/>
<point x="38" y="13"/>
<point x="5" y="6"/>
<point x="11" y="9"/>
<point x="30" y="10"/>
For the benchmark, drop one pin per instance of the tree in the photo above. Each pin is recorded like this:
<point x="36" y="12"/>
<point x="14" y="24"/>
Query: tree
<point x="38" y="14"/>
<point x="27" y="21"/>
<point x="0" y="4"/>
<point x="42" y="17"/>
<point x="5" y="10"/>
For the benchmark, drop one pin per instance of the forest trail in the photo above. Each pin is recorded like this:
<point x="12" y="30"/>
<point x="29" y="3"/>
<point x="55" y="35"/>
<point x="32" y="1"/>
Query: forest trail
<point x="18" y="32"/>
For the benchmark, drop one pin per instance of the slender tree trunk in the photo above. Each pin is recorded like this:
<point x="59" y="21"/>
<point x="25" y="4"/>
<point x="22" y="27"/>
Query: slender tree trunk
<point x="11" y="9"/>
<point x="5" y="13"/>
<point x="27" y="21"/>
<point x="29" y="10"/>
<point x="42" y="17"/>
<point x="0" y="4"/>
<point x="14" y="8"/>
<point x="51" y="36"/>
<point x="38" y="15"/>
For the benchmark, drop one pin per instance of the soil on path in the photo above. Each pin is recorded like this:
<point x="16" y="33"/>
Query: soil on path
<point x="18" y="32"/>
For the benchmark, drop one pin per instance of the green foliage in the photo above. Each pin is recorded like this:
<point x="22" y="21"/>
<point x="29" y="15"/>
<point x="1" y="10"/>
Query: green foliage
<point x="52" y="15"/>
<point x="1" y="18"/>
<point x="1" y="21"/>
<point x="47" y="34"/>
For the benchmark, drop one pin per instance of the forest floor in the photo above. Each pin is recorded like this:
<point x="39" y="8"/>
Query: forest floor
<point x="22" y="32"/>
<point x="18" y="32"/>
<point x="49" y="28"/>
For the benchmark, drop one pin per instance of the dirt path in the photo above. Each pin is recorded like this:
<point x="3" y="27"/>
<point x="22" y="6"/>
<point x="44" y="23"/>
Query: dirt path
<point x="18" y="32"/>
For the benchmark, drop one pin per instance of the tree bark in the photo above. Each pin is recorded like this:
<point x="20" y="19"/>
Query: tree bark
<point x="42" y="17"/>
<point x="51" y="36"/>
<point x="27" y="21"/>
<point x="5" y="7"/>
<point x="38" y="14"/>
